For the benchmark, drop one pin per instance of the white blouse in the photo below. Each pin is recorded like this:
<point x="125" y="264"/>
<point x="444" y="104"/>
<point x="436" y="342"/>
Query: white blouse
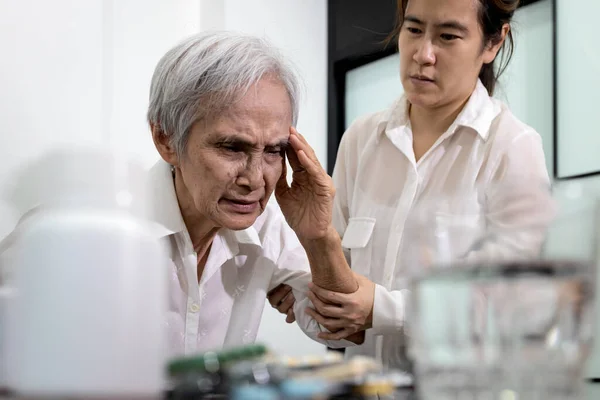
<point x="225" y="308"/>
<point x="378" y="183"/>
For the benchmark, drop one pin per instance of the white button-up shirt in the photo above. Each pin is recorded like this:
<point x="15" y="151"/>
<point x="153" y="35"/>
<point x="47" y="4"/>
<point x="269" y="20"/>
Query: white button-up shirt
<point x="225" y="308"/>
<point x="378" y="182"/>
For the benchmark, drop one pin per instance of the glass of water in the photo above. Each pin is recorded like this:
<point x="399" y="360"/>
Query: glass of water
<point x="502" y="293"/>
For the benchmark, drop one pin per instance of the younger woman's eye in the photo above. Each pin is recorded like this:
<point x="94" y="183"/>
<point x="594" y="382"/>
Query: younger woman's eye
<point x="448" y="37"/>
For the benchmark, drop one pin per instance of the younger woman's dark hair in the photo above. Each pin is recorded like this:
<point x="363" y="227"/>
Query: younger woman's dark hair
<point x="493" y="14"/>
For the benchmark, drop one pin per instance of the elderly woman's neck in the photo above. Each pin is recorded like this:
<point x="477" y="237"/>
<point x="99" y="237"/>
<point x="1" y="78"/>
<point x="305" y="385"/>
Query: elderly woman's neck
<point x="202" y="231"/>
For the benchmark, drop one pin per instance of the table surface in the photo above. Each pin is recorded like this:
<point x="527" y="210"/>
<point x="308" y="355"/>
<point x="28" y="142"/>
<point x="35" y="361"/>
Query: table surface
<point x="592" y="392"/>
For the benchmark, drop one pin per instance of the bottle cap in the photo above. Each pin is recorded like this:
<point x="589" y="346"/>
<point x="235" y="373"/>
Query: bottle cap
<point x="213" y="361"/>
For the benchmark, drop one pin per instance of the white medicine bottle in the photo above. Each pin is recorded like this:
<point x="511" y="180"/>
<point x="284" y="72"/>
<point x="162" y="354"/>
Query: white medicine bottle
<point x="89" y="279"/>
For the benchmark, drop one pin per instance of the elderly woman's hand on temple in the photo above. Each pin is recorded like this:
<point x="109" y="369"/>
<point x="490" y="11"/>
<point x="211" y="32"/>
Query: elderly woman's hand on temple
<point x="308" y="202"/>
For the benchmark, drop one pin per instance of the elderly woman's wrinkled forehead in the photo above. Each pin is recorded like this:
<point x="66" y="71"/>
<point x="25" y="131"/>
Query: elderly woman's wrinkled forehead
<point x="260" y="119"/>
<point x="206" y="74"/>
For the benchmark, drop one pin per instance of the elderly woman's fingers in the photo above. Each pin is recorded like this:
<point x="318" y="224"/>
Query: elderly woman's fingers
<point x="305" y="161"/>
<point x="291" y="317"/>
<point x="287" y="304"/>
<point x="306" y="147"/>
<point x="277" y="295"/>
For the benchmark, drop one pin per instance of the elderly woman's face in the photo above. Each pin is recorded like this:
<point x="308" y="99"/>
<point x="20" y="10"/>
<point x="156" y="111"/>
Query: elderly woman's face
<point x="234" y="160"/>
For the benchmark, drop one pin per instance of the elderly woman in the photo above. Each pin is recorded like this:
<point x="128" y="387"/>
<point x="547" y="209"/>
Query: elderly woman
<point x="222" y="110"/>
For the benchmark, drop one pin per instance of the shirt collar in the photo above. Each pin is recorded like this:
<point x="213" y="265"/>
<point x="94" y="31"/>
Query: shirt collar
<point x="165" y="210"/>
<point x="234" y="239"/>
<point x="165" y="207"/>
<point x="478" y="114"/>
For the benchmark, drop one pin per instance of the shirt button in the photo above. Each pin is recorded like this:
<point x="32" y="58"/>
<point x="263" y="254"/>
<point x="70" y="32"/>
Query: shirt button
<point x="194" y="308"/>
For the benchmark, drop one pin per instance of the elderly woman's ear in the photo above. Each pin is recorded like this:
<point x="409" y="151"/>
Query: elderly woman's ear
<point x="163" y="144"/>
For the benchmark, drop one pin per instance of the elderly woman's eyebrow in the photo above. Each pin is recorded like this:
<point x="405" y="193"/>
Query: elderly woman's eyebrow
<point x="241" y="142"/>
<point x="282" y="144"/>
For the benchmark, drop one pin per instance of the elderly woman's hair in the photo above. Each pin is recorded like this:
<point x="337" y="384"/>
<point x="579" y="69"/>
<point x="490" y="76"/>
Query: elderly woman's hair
<point x="205" y="74"/>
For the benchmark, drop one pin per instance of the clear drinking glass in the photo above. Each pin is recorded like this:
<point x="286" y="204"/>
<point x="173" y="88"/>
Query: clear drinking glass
<point x="502" y="293"/>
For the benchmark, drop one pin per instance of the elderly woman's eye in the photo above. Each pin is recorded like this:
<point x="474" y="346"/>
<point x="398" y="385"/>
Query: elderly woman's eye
<point x="231" y="147"/>
<point x="274" y="150"/>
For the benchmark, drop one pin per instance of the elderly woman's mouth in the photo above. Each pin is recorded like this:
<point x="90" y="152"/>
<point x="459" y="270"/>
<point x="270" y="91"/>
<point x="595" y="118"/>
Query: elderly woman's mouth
<point x="243" y="206"/>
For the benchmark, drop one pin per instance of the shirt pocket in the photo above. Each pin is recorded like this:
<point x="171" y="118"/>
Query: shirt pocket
<point x="358" y="238"/>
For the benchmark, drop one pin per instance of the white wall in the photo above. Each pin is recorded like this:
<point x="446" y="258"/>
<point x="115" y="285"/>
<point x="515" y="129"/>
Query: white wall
<point x="372" y="87"/>
<point x="78" y="73"/>
<point x="51" y="79"/>
<point x="139" y="33"/>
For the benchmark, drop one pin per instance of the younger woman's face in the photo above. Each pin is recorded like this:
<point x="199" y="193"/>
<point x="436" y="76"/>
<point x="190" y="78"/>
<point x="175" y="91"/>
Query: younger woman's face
<point x="442" y="51"/>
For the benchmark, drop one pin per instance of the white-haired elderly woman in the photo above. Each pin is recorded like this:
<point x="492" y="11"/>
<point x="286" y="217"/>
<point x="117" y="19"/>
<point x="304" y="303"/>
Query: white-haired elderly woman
<point x="222" y="111"/>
